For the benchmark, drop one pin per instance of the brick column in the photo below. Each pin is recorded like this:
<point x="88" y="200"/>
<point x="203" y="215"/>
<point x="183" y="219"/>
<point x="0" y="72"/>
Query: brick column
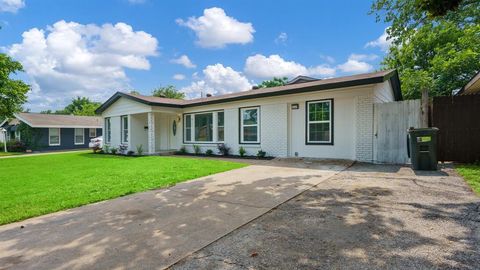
<point x="151" y="133"/>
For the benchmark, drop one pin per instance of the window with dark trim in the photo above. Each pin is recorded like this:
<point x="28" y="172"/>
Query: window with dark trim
<point x="250" y="125"/>
<point x="124" y="128"/>
<point x="53" y="136"/>
<point x="204" y="127"/>
<point x="92" y="132"/>
<point x="79" y="137"/>
<point x="319" y="122"/>
<point x="108" y="130"/>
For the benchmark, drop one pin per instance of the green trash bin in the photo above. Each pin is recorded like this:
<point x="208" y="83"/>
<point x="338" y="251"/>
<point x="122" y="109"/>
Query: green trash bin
<point x="422" y="148"/>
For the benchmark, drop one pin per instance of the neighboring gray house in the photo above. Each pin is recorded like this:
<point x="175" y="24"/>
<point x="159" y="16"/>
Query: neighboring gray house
<point x="55" y="132"/>
<point x="329" y="118"/>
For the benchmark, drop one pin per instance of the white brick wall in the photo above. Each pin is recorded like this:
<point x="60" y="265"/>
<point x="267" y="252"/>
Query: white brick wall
<point x="274" y="132"/>
<point x="364" y="128"/>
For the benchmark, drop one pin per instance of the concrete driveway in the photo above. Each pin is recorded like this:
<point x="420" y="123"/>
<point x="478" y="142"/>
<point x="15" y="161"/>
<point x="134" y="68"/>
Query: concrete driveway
<point x="155" y="229"/>
<point x="367" y="217"/>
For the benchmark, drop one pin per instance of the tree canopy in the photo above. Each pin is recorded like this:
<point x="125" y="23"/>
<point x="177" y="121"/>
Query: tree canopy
<point x="435" y="46"/>
<point x="79" y="106"/>
<point x="275" y="81"/>
<point x="168" y="91"/>
<point x="13" y="93"/>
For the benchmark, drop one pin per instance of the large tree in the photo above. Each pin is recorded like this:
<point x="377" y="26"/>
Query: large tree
<point x="13" y="93"/>
<point x="435" y="46"/>
<point x="168" y="91"/>
<point x="275" y="81"/>
<point x="79" y="106"/>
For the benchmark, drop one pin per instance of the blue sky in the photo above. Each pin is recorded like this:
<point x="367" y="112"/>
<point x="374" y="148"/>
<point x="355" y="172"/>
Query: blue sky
<point x="95" y="48"/>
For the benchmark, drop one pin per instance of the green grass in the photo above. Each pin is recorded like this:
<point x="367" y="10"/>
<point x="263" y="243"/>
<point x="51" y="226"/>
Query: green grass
<point x="3" y="154"/>
<point x="37" y="185"/>
<point x="471" y="173"/>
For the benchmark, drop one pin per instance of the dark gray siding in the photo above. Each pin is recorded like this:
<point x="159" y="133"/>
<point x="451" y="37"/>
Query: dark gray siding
<point x="66" y="139"/>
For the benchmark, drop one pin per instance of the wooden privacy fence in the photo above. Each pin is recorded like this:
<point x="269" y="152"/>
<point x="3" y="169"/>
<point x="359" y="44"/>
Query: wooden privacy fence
<point x="391" y="122"/>
<point x="458" y="120"/>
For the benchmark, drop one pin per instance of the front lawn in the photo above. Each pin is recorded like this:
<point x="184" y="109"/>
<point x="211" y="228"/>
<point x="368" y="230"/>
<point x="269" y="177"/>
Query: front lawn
<point x="471" y="173"/>
<point x="4" y="154"/>
<point x="37" y="185"/>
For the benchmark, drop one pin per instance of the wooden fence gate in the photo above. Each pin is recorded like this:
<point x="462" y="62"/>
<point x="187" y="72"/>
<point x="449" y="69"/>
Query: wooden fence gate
<point x="391" y="122"/>
<point x="458" y="120"/>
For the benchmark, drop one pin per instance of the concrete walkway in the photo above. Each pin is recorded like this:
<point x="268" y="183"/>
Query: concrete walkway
<point x="155" y="229"/>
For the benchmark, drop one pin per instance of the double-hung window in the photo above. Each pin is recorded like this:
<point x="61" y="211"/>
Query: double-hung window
<point x="92" y="132"/>
<point x="108" y="130"/>
<point x="204" y="127"/>
<point x="53" y="136"/>
<point x="220" y="126"/>
<point x="250" y="125"/>
<point x="79" y="136"/>
<point x="124" y="128"/>
<point x="319" y="121"/>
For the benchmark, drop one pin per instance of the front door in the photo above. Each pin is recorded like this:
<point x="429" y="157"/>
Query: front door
<point x="164" y="132"/>
<point x="296" y="129"/>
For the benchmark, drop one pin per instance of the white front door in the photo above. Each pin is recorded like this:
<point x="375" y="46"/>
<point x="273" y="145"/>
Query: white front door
<point x="296" y="129"/>
<point x="164" y="132"/>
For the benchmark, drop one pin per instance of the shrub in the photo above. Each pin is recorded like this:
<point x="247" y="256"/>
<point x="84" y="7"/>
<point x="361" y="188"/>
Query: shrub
<point x="261" y="154"/>
<point x="182" y="151"/>
<point x="209" y="152"/>
<point x="16" y="146"/>
<point x="223" y="149"/>
<point x="106" y="148"/>
<point x="139" y="150"/>
<point x="113" y="150"/>
<point x="122" y="149"/>
<point x="197" y="149"/>
<point x="242" y="151"/>
<point x="130" y="153"/>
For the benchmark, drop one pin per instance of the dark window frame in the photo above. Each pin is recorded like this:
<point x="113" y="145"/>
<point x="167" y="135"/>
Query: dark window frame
<point x="332" y="122"/>
<point x="184" y="116"/>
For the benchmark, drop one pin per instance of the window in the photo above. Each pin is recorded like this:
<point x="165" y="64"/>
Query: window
<point x="17" y="135"/>
<point x="124" y="129"/>
<point x="319" y="122"/>
<point x="79" y="136"/>
<point x="92" y="132"/>
<point x="108" y="130"/>
<point x="249" y="125"/>
<point x="220" y="126"/>
<point x="207" y="127"/>
<point x="188" y="128"/>
<point x="53" y="136"/>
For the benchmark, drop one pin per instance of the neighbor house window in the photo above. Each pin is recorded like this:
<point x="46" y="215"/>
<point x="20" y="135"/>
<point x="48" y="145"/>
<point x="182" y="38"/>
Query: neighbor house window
<point x="199" y="127"/>
<point x="17" y="135"/>
<point x="319" y="121"/>
<point x="250" y="125"/>
<point x="108" y="130"/>
<point x="220" y="126"/>
<point x="79" y="136"/>
<point x="124" y="129"/>
<point x="53" y="136"/>
<point x="92" y="132"/>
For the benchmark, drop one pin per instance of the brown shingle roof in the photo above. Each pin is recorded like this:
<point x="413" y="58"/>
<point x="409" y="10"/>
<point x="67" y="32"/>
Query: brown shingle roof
<point x="326" y="84"/>
<point x="61" y="121"/>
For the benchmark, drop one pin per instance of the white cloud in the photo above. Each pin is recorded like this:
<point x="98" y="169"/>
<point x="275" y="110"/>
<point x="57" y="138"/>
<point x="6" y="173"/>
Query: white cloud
<point x="11" y="5"/>
<point x="363" y="57"/>
<point x="282" y="38"/>
<point x="327" y="58"/>
<point x="184" y="61"/>
<point x="70" y="59"/>
<point x="356" y="64"/>
<point x="218" y="80"/>
<point x="179" y="77"/>
<point x="381" y="42"/>
<point x="261" y="66"/>
<point x="215" y="29"/>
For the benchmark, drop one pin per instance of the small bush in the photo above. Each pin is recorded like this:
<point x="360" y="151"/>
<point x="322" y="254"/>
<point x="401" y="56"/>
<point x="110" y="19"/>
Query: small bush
<point x="113" y="150"/>
<point x="16" y="146"/>
<point x="130" y="153"/>
<point x="106" y="148"/>
<point x="197" y="149"/>
<point x="261" y="154"/>
<point x="209" y="152"/>
<point x="242" y="151"/>
<point x="139" y="150"/>
<point x="223" y="149"/>
<point x="183" y="150"/>
<point x="122" y="149"/>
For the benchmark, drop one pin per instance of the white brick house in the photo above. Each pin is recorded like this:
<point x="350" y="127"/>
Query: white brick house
<point x="330" y="118"/>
